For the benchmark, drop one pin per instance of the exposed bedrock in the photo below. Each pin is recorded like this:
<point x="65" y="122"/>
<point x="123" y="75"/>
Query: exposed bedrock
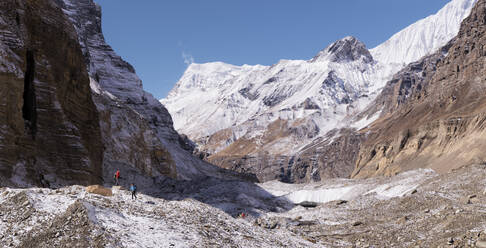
<point x="50" y="126"/>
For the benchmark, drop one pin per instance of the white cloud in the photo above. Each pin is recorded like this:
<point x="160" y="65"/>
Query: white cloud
<point x="188" y="59"/>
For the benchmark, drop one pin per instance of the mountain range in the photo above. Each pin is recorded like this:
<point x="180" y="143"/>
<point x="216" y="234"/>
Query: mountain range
<point x="357" y="147"/>
<point x="282" y="121"/>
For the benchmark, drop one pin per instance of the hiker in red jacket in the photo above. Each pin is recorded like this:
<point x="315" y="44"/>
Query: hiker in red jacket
<point x="117" y="176"/>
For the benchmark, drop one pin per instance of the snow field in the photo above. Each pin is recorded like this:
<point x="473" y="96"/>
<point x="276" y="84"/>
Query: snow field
<point x="349" y="189"/>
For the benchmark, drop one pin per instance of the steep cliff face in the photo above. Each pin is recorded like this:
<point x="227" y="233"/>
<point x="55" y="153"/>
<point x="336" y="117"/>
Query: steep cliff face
<point x="50" y="130"/>
<point x="137" y="130"/>
<point x="72" y="111"/>
<point x="441" y="123"/>
<point x="406" y="86"/>
<point x="131" y="144"/>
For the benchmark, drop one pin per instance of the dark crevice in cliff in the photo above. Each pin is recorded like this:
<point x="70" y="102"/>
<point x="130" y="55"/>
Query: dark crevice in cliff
<point x="29" y="109"/>
<point x="17" y="19"/>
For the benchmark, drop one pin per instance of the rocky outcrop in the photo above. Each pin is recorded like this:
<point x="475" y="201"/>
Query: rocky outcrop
<point x="345" y="50"/>
<point x="407" y="85"/>
<point x="442" y="126"/>
<point x="50" y="131"/>
<point x="99" y="190"/>
<point x="326" y="157"/>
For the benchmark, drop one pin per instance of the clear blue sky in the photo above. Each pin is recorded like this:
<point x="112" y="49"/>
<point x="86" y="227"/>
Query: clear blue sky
<point x="153" y="35"/>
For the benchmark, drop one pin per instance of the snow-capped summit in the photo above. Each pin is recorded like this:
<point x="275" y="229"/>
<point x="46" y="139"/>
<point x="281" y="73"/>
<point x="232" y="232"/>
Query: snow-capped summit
<point x="345" y="50"/>
<point x="230" y="96"/>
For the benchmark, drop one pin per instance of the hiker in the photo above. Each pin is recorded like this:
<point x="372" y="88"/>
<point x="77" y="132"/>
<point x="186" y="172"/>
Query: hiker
<point x="43" y="182"/>
<point x="133" y="188"/>
<point x="116" y="176"/>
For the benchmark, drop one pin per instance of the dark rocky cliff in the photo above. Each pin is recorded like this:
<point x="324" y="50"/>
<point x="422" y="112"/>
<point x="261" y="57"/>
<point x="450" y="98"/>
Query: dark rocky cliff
<point x="50" y="126"/>
<point x="72" y="111"/>
<point x="137" y="130"/>
<point x="331" y="156"/>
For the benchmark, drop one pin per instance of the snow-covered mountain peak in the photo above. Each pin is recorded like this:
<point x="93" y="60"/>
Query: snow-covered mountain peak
<point x="311" y="97"/>
<point x="344" y="50"/>
<point x="424" y="36"/>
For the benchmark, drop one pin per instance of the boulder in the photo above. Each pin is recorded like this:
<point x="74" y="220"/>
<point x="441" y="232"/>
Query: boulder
<point x="306" y="223"/>
<point x="308" y="204"/>
<point x="118" y="188"/>
<point x="99" y="190"/>
<point x="450" y="241"/>
<point x="471" y="199"/>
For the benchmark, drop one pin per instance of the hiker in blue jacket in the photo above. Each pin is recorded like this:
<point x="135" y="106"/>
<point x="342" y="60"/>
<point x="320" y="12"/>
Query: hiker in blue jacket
<point x="133" y="188"/>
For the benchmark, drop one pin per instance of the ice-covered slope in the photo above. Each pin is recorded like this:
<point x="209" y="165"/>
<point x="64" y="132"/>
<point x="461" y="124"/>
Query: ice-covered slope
<point x="424" y="36"/>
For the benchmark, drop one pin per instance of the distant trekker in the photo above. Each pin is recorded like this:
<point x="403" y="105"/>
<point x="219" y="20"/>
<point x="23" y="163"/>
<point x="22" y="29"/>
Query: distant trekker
<point x="133" y="188"/>
<point x="117" y="176"/>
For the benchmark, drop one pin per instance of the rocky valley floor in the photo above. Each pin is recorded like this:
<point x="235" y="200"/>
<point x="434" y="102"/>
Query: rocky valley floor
<point x="413" y="209"/>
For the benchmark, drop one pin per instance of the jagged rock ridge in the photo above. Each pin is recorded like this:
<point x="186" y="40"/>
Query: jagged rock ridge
<point x="347" y="49"/>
